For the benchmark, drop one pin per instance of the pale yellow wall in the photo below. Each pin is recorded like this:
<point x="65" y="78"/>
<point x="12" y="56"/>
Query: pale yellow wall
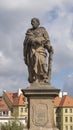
<point x="55" y="115"/>
<point x="68" y="115"/>
<point x="24" y="113"/>
<point x="62" y="114"/>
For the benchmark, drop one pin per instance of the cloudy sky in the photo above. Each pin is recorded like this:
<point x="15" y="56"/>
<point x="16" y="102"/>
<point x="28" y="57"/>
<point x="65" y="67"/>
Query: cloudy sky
<point x="57" y="17"/>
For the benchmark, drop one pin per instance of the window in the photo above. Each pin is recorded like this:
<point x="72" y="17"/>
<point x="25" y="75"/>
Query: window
<point x="66" y="119"/>
<point x="25" y="99"/>
<point x="0" y="113"/>
<point x="66" y="127"/>
<point x="26" y="119"/>
<point x="58" y="119"/>
<point x="21" y="109"/>
<point x="12" y="110"/>
<point x="70" y="119"/>
<point x="70" y="110"/>
<point x="25" y="109"/>
<point x="5" y="113"/>
<point x="71" y="127"/>
<point x="66" y="110"/>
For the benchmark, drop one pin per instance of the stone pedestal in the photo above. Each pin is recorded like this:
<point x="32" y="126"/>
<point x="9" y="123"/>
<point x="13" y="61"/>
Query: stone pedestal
<point x="41" y="106"/>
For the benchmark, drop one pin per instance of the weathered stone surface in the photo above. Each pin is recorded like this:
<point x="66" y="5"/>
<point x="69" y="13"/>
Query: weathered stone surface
<point x="41" y="89"/>
<point x="41" y="128"/>
<point x="34" y="49"/>
<point x="40" y="93"/>
<point x="39" y="114"/>
<point x="41" y="106"/>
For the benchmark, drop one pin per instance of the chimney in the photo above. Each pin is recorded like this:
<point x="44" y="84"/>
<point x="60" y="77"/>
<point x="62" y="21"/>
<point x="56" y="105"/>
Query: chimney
<point x="60" y="94"/>
<point x="65" y="93"/>
<point x="19" y="92"/>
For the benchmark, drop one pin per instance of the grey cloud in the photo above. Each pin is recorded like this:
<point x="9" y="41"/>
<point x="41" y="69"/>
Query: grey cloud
<point x="68" y="5"/>
<point x="13" y="24"/>
<point x="8" y="4"/>
<point x="68" y="85"/>
<point x="13" y="83"/>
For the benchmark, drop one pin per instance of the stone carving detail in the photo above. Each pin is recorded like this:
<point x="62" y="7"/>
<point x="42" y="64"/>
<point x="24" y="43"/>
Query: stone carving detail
<point x="40" y="114"/>
<point x="34" y="50"/>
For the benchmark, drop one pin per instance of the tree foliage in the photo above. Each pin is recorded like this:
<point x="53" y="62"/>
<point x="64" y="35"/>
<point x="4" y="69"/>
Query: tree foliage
<point x="13" y="125"/>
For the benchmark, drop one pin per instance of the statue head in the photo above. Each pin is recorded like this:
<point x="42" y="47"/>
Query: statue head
<point x="35" y="22"/>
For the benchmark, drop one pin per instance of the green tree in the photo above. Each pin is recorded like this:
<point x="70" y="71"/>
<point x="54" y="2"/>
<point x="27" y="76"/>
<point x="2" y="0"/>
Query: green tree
<point x="12" y="125"/>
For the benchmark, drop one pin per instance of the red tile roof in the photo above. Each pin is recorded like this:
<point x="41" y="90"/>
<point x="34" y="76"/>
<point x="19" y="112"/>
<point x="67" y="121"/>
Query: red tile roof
<point x="65" y="101"/>
<point x="57" y="101"/>
<point x="3" y="105"/>
<point x="15" y="99"/>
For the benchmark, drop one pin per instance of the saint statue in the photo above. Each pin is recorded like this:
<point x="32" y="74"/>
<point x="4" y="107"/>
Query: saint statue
<point x="36" y="46"/>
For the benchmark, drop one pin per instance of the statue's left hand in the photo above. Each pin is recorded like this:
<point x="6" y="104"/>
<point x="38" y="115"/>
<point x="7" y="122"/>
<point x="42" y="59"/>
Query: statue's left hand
<point x="51" y="49"/>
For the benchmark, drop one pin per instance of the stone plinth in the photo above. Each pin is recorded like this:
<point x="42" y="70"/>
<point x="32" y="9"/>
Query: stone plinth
<point x="41" y="106"/>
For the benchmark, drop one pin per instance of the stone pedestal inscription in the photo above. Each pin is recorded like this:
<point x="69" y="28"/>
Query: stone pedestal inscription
<point x="40" y="114"/>
<point x="41" y="106"/>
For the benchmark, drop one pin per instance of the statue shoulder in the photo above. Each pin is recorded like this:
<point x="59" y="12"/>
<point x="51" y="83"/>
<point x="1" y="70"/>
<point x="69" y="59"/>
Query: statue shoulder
<point x="29" y="31"/>
<point x="44" y="32"/>
<point x="42" y="29"/>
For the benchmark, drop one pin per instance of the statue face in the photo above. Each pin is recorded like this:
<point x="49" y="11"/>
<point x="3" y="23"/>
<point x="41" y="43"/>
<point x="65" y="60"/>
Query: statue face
<point x="35" y="24"/>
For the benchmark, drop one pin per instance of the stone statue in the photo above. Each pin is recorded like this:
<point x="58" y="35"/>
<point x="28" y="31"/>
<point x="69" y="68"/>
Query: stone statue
<point x="35" y="45"/>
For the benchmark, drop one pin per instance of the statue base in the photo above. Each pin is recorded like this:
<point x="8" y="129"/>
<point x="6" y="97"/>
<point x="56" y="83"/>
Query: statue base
<point x="41" y="106"/>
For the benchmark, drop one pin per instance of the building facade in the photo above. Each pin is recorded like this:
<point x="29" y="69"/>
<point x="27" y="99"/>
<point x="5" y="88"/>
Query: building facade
<point x="64" y="112"/>
<point x="5" y="112"/>
<point x="17" y="105"/>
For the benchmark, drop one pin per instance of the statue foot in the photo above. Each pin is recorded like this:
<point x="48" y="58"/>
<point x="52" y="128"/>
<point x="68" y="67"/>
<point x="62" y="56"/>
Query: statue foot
<point x="46" y="81"/>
